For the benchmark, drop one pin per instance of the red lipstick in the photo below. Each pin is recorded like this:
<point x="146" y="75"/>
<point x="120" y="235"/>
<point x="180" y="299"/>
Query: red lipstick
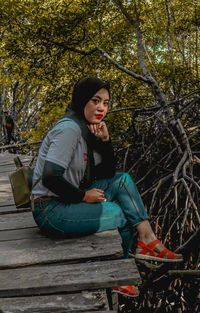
<point x="99" y="116"/>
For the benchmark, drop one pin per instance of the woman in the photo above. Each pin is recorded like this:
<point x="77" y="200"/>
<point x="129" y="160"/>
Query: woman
<point x="79" y="192"/>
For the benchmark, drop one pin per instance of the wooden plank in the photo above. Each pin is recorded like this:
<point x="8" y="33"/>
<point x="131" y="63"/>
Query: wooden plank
<point x="68" y="303"/>
<point x="7" y="164"/>
<point x="12" y="209"/>
<point x="6" y="194"/>
<point x="7" y="170"/>
<point x="5" y="188"/>
<point x="4" y="161"/>
<point x="25" y="160"/>
<point x="4" y="179"/>
<point x="44" y="250"/>
<point x="16" y="221"/>
<point x="6" y="203"/>
<point x="8" y="157"/>
<point x="40" y="280"/>
<point x="16" y="234"/>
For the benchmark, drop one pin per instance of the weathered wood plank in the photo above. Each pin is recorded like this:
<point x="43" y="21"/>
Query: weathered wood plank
<point x="6" y="203"/>
<point x="44" y="250"/>
<point x="6" y="170"/>
<point x="40" y="280"/>
<point x="5" y="188"/>
<point x="16" y="221"/>
<point x="4" y="179"/>
<point x="7" y="164"/>
<point x="68" y="303"/>
<point x="8" y="157"/>
<point x="10" y="162"/>
<point x="12" y="209"/>
<point x="6" y="195"/>
<point x="16" y="234"/>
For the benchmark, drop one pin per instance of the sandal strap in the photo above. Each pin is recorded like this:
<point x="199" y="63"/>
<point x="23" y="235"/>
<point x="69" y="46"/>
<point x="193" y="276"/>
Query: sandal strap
<point x="162" y="254"/>
<point x="153" y="243"/>
<point x="146" y="249"/>
<point x="130" y="289"/>
<point x="127" y="290"/>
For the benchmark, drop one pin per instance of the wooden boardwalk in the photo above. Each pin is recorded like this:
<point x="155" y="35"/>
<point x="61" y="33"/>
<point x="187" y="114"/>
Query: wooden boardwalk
<point x="41" y="274"/>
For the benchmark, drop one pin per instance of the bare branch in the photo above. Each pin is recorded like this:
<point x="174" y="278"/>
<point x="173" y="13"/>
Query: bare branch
<point x="191" y="199"/>
<point x="178" y="167"/>
<point x="120" y="67"/>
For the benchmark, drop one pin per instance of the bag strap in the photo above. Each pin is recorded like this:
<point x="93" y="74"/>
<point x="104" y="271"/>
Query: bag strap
<point x="18" y="162"/>
<point x="36" y="182"/>
<point x="33" y="158"/>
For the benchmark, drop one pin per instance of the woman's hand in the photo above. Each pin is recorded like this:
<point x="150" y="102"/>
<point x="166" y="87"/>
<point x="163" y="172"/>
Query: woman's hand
<point x="99" y="130"/>
<point x="94" y="195"/>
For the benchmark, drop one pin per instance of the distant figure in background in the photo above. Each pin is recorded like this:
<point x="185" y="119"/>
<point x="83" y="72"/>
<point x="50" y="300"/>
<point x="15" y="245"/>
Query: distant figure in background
<point x="9" y="126"/>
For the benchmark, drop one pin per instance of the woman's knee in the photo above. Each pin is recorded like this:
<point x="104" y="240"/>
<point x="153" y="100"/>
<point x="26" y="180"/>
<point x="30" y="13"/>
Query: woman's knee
<point x="117" y="181"/>
<point x="122" y="177"/>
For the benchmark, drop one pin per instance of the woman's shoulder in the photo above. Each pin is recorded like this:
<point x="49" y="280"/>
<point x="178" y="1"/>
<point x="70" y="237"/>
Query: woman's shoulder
<point x="67" y="125"/>
<point x="64" y="129"/>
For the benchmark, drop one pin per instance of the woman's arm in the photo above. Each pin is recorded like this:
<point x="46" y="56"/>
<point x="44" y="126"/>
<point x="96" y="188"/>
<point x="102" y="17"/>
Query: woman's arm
<point x="106" y="169"/>
<point x="52" y="178"/>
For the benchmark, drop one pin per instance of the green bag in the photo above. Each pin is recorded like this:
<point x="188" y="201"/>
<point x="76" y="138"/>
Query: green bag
<point x="21" y="184"/>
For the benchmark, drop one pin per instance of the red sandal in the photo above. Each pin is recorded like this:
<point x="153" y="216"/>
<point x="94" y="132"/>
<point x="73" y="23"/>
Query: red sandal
<point x="146" y="252"/>
<point x="129" y="291"/>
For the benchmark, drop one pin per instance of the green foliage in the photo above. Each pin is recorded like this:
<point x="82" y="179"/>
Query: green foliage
<point x="48" y="44"/>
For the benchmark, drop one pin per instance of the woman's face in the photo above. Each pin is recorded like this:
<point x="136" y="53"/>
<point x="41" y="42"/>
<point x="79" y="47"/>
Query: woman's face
<point x="97" y="107"/>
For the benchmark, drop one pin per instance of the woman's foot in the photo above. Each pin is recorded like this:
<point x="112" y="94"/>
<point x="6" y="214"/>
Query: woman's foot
<point x="130" y="291"/>
<point x="156" y="251"/>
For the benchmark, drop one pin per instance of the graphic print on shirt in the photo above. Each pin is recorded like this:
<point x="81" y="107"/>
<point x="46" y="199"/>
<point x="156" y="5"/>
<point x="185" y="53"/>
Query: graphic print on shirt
<point x="85" y="157"/>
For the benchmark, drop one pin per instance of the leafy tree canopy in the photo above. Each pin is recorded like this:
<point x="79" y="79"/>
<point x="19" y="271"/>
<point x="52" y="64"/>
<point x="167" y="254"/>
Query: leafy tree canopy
<point x="50" y="44"/>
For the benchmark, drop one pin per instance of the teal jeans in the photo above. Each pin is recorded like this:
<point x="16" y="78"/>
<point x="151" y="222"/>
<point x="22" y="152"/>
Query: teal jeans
<point x="123" y="210"/>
